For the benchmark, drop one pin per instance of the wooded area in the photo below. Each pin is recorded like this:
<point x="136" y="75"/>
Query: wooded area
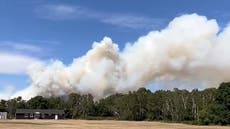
<point x="210" y="106"/>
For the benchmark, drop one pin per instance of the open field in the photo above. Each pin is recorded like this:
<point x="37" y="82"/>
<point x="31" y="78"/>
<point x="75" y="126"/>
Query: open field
<point x="93" y="124"/>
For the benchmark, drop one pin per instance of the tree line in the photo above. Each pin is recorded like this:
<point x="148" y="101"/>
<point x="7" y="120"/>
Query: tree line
<point x="209" y="106"/>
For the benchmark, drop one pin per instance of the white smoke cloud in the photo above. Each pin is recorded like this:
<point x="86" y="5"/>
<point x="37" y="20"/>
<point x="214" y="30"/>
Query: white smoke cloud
<point x="12" y="63"/>
<point x="188" y="51"/>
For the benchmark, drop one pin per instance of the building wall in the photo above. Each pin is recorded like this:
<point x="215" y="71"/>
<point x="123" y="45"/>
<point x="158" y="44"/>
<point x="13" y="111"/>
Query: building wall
<point x="37" y="116"/>
<point x="23" y="116"/>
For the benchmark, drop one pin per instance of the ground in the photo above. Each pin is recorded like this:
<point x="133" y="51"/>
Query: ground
<point x="93" y="124"/>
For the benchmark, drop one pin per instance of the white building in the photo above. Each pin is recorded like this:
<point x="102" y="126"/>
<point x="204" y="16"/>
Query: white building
<point x="3" y="115"/>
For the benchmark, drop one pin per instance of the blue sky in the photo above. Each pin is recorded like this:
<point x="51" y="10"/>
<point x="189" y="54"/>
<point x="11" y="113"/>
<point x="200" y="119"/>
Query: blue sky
<point x="31" y="31"/>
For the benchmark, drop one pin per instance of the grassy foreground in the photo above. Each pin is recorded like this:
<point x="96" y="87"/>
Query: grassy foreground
<point x="96" y="124"/>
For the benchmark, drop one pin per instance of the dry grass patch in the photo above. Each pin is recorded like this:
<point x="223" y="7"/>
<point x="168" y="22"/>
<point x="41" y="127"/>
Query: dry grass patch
<point x="96" y="124"/>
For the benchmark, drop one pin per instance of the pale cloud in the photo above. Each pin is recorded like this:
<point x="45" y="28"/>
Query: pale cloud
<point x="47" y="42"/>
<point x="56" y="12"/>
<point x="67" y="12"/>
<point x="132" y="21"/>
<point x="17" y="47"/>
<point x="15" y="63"/>
<point x="62" y="10"/>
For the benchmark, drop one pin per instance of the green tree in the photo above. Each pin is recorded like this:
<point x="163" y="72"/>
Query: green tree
<point x="38" y="102"/>
<point x="221" y="109"/>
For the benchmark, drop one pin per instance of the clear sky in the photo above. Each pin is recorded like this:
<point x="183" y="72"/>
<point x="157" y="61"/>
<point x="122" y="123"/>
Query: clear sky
<point x="33" y="30"/>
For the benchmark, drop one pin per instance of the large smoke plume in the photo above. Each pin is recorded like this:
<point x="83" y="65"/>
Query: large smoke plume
<point x="190" y="52"/>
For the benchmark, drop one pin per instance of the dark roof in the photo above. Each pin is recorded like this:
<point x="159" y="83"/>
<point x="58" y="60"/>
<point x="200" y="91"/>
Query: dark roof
<point x="46" y="111"/>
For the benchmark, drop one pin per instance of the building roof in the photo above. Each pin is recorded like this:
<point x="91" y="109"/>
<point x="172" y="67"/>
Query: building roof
<point x="46" y="111"/>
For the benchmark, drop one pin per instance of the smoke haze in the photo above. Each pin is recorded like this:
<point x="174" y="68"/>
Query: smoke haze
<point x="189" y="53"/>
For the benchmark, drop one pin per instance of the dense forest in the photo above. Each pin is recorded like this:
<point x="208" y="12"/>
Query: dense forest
<point x="209" y="106"/>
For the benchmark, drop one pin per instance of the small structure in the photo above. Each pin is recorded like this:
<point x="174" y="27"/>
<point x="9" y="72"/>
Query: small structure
<point x="39" y="114"/>
<point x="3" y="115"/>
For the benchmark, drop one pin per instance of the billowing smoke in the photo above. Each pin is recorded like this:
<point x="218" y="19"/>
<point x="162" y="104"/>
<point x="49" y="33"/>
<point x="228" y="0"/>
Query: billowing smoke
<point x="189" y="53"/>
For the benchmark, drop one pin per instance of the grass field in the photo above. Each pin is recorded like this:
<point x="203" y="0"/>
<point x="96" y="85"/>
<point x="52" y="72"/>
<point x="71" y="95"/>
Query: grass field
<point x="93" y="124"/>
